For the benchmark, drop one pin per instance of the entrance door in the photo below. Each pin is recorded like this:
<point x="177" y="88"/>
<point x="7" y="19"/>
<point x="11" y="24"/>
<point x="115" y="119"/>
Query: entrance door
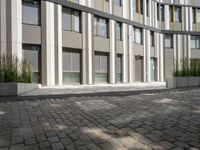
<point x="153" y="69"/>
<point x="139" y="68"/>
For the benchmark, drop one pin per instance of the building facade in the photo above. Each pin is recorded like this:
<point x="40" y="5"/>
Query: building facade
<point x="100" y="41"/>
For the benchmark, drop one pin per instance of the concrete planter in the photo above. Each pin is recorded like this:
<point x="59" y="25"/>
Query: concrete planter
<point x="14" y="88"/>
<point x="179" y="82"/>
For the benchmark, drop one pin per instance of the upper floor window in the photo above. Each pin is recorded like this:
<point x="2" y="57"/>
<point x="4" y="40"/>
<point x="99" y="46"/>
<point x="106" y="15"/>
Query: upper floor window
<point x="117" y="2"/>
<point x="31" y="12"/>
<point x="158" y="11"/>
<point x="100" y="27"/>
<point x="175" y="13"/>
<point x="196" y="15"/>
<point x="152" y="39"/>
<point x="138" y="38"/>
<point x="138" y="6"/>
<point x="162" y="12"/>
<point x="71" y="20"/>
<point x="119" y="31"/>
<point x="195" y="42"/>
<point x="169" y="41"/>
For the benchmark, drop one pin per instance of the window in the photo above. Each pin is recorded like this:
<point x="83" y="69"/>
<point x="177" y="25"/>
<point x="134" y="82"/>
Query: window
<point x="152" y="39"/>
<point x="32" y="53"/>
<point x="195" y="42"/>
<point x="196" y="15"/>
<point x="100" y="27"/>
<point x="119" y="68"/>
<point x="31" y="12"/>
<point x="71" y="66"/>
<point x="169" y="41"/>
<point x="101" y="67"/>
<point x="118" y="2"/>
<point x="162" y="12"/>
<point x="158" y="12"/>
<point x="147" y="2"/>
<point x="119" y="31"/>
<point x="138" y="6"/>
<point x="138" y="35"/>
<point x="71" y="20"/>
<point x="176" y="15"/>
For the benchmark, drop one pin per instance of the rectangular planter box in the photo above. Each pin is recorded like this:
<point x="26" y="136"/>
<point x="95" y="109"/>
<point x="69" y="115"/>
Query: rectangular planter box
<point x="179" y="82"/>
<point x="14" y="88"/>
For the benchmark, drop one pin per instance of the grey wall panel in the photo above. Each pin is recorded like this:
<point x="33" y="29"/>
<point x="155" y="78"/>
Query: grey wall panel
<point x="119" y="47"/>
<point x="31" y="34"/>
<point x="101" y="44"/>
<point x="168" y="63"/>
<point x="138" y="49"/>
<point x="195" y="53"/>
<point x="72" y="39"/>
<point x="118" y="11"/>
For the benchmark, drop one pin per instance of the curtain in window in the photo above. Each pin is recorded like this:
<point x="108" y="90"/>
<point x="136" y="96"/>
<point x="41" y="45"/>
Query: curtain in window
<point x="66" y="19"/>
<point x="76" y="21"/>
<point x="102" y="27"/>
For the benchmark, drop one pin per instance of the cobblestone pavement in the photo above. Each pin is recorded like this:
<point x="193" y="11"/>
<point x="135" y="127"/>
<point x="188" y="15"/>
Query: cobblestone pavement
<point x="167" y="119"/>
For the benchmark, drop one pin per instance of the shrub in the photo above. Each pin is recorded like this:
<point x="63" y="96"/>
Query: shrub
<point x="14" y="70"/>
<point x="187" y="69"/>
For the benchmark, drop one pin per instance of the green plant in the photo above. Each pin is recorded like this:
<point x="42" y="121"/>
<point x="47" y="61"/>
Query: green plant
<point x="187" y="69"/>
<point x="14" y="70"/>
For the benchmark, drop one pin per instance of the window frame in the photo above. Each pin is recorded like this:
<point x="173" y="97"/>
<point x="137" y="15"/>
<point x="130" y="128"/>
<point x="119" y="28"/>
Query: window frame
<point x="120" y="25"/>
<point x="141" y="35"/>
<point x="97" y="20"/>
<point x="171" y="39"/>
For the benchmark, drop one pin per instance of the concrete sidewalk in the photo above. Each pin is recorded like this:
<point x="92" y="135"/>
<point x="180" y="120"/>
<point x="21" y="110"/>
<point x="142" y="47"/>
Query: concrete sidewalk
<point x="80" y="89"/>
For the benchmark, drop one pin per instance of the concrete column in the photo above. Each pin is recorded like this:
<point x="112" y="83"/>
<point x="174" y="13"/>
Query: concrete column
<point x="125" y="9"/>
<point x="161" y="56"/>
<point x="167" y="21"/>
<point x="145" y="12"/>
<point x="90" y="48"/>
<point x="48" y="43"/>
<point x="82" y="2"/>
<point x="150" y="14"/>
<point x="189" y="47"/>
<point x="112" y="52"/>
<point x="2" y="27"/>
<point x="144" y="56"/>
<point x="157" y="49"/>
<point x="125" y="54"/>
<point x="58" y="45"/>
<point x="111" y="7"/>
<point x="130" y="53"/>
<point x="190" y="16"/>
<point x="155" y="16"/>
<point x="14" y="27"/>
<point x="175" y="49"/>
<point x="148" y="57"/>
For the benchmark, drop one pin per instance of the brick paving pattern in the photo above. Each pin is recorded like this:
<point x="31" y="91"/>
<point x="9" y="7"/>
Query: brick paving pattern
<point x="160" y="120"/>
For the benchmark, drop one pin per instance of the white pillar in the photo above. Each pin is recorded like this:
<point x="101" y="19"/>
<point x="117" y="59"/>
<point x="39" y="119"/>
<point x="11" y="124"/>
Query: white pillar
<point x="144" y="56"/>
<point x="190" y="16"/>
<point x="125" y="9"/>
<point x="58" y="45"/>
<point x="112" y="52"/>
<point x="148" y="57"/>
<point x="90" y="49"/>
<point x="3" y="27"/>
<point x="125" y="55"/>
<point x="14" y="28"/>
<point x="189" y="47"/>
<point x="161" y="57"/>
<point x="130" y="55"/>
<point x="167" y="21"/>
<point x="48" y="46"/>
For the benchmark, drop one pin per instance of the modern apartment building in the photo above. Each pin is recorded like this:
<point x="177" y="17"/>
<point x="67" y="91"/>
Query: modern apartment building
<point x="100" y="41"/>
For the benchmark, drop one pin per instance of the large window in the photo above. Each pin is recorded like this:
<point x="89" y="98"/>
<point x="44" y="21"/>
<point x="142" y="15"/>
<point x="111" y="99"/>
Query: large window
<point x="162" y="12"/>
<point x="138" y="6"/>
<point x="169" y="41"/>
<point x="101" y="67"/>
<point x="117" y="2"/>
<point x="138" y="38"/>
<point x="152" y="39"/>
<point x="71" y="20"/>
<point x="196" y="15"/>
<point x="32" y="53"/>
<point x="119" y="31"/>
<point x="71" y="66"/>
<point x="100" y="27"/>
<point x="175" y="13"/>
<point x="195" y="42"/>
<point x="31" y="12"/>
<point x="119" y="67"/>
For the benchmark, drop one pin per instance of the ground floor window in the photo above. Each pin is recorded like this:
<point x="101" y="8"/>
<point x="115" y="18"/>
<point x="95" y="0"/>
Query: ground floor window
<point x="32" y="53"/>
<point x="101" y="67"/>
<point x="119" y="68"/>
<point x="71" y="66"/>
